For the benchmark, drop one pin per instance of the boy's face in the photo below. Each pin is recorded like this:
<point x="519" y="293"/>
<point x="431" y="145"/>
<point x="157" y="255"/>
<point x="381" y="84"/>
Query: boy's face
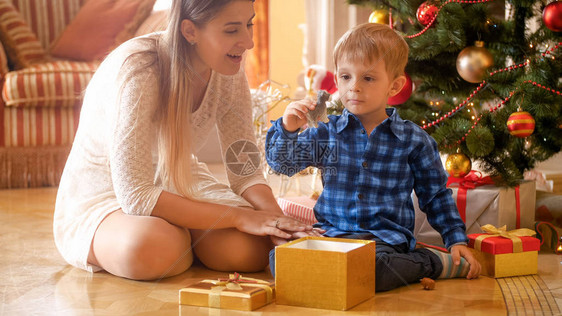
<point x="365" y="87"/>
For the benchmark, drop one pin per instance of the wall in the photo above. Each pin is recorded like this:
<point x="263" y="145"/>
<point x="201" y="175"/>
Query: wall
<point x="286" y="41"/>
<point x="286" y="44"/>
<point x="304" y="32"/>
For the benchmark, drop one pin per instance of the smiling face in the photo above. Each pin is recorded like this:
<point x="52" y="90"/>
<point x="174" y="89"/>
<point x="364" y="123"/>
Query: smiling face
<point x="366" y="87"/>
<point x="220" y="44"/>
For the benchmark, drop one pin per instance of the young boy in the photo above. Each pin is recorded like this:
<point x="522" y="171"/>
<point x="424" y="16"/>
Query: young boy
<point x="371" y="160"/>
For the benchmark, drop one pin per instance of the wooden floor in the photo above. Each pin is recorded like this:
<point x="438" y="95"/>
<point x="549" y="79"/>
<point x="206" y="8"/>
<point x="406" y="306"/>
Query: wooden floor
<point x="34" y="279"/>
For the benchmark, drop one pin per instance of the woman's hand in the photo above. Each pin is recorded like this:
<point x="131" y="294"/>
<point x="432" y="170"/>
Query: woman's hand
<point x="294" y="116"/>
<point x="316" y="232"/>
<point x="263" y="223"/>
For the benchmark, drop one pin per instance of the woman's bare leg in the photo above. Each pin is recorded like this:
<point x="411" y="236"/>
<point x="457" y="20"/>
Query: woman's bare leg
<point x="231" y="250"/>
<point x="140" y="247"/>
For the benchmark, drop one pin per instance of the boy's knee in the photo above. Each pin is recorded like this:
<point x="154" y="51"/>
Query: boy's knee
<point x="387" y="278"/>
<point x="382" y="260"/>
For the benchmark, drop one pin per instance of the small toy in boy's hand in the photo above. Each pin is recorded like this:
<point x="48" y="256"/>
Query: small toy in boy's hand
<point x="428" y="284"/>
<point x="320" y="112"/>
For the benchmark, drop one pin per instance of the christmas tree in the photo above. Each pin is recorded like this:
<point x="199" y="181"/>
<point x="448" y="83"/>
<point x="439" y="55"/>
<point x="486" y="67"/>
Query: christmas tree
<point x="486" y="78"/>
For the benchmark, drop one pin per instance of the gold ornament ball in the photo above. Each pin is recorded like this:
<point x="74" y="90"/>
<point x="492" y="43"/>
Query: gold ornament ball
<point x="458" y="165"/>
<point x="379" y="16"/>
<point x="473" y="61"/>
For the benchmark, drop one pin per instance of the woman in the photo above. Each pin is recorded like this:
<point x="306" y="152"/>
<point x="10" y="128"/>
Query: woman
<point x="133" y="200"/>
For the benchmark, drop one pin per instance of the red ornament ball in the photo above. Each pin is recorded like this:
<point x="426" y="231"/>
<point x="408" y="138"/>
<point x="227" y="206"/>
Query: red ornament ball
<point x="426" y="12"/>
<point x="552" y="16"/>
<point x="521" y="124"/>
<point x="404" y="94"/>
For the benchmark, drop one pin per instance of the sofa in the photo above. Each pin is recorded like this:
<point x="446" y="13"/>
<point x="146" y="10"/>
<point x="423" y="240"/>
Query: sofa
<point x="49" y="50"/>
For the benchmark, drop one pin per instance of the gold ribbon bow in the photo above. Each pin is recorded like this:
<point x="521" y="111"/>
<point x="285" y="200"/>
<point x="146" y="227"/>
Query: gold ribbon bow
<point x="514" y="235"/>
<point x="234" y="283"/>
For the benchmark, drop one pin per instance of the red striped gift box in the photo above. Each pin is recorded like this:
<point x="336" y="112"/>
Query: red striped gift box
<point x="299" y="207"/>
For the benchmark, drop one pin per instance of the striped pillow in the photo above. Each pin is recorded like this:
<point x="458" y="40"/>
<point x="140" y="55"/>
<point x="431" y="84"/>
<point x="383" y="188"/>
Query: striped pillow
<point x="50" y="84"/>
<point x="48" y="18"/>
<point x="3" y="62"/>
<point x="155" y="22"/>
<point x="99" y="27"/>
<point x="22" y="46"/>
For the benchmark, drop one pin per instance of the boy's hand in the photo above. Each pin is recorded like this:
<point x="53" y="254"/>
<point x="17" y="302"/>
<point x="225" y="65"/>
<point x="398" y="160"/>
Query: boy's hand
<point x="459" y="251"/>
<point x="294" y="116"/>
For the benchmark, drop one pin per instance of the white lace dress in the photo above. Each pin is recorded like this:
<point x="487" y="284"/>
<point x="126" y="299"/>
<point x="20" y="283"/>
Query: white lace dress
<point x="112" y="164"/>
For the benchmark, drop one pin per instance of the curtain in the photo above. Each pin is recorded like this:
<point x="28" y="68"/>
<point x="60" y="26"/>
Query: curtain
<point x="257" y="60"/>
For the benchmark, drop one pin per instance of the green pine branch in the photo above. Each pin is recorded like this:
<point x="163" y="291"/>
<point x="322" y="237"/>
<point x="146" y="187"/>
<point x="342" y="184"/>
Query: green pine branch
<point x="432" y="66"/>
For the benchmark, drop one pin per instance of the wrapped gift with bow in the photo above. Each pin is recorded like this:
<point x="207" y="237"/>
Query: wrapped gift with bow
<point x="504" y="253"/>
<point x="481" y="202"/>
<point x="299" y="207"/>
<point x="235" y="292"/>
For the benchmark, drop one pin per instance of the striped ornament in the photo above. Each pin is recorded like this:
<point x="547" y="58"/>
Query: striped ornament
<point x="521" y="124"/>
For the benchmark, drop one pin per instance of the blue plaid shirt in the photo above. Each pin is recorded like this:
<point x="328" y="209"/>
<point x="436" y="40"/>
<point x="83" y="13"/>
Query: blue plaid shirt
<point x="368" y="181"/>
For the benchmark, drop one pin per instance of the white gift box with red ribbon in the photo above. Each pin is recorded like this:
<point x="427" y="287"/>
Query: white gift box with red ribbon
<point x="481" y="205"/>
<point x="298" y="207"/>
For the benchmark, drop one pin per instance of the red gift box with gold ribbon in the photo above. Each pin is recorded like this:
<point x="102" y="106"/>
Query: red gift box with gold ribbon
<point x="504" y="253"/>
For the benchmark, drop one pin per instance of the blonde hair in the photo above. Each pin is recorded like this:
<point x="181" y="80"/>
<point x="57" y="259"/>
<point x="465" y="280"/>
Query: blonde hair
<point x="371" y="42"/>
<point x="175" y="74"/>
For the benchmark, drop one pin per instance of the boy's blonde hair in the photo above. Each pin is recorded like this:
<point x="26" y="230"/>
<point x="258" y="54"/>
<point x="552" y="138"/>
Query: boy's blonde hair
<point x="371" y="42"/>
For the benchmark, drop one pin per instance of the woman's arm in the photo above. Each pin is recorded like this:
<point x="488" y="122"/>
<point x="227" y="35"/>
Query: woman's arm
<point x="133" y="172"/>
<point x="191" y="214"/>
<point x="261" y="197"/>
